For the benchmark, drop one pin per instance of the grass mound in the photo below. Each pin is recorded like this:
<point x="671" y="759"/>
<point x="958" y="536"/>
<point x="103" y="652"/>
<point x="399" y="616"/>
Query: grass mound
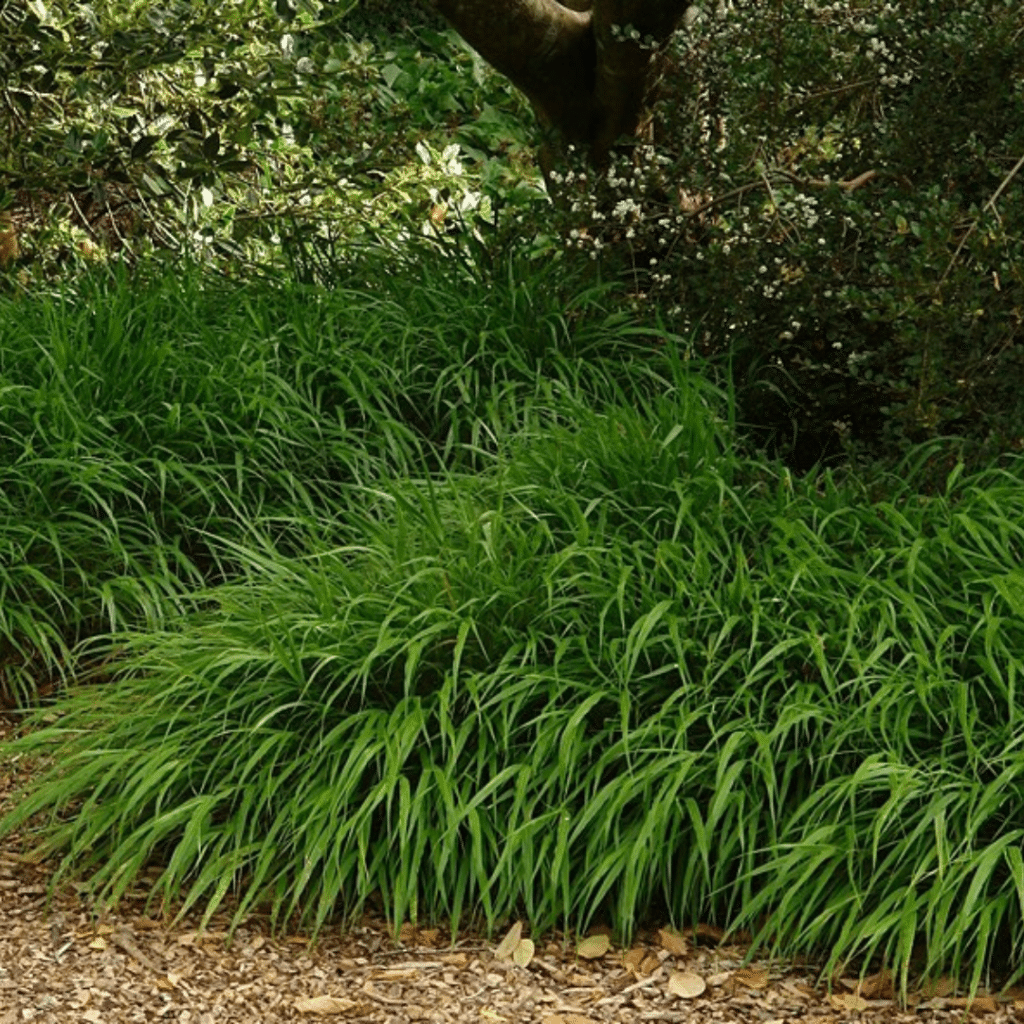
<point x="143" y="423"/>
<point x="555" y="649"/>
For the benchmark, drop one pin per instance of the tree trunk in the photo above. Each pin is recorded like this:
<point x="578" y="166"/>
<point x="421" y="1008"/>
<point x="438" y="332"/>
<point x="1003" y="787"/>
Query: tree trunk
<point x="585" y="77"/>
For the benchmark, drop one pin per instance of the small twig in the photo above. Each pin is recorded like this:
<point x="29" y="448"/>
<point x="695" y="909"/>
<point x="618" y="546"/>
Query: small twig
<point x="1002" y="185"/>
<point x="861" y="179"/>
<point x="412" y="965"/>
<point x="124" y="940"/>
<point x="848" y="186"/>
<point x="642" y="983"/>
<point x="993" y="199"/>
<point x="386" y="1000"/>
<point x="430" y="951"/>
<point x="667" y="1015"/>
<point x="765" y="182"/>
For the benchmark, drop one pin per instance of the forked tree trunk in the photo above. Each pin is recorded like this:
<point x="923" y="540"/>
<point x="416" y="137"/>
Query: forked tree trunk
<point x="585" y="77"/>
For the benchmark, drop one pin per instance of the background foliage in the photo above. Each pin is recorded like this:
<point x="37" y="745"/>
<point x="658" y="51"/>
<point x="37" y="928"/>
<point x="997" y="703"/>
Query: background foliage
<point x="858" y="318"/>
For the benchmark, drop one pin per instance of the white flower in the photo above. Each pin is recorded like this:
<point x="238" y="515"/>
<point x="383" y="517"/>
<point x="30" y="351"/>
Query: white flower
<point x="624" y="207"/>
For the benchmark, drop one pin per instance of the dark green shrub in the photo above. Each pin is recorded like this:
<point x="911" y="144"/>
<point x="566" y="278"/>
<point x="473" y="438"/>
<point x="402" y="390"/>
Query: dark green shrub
<point x="833" y="204"/>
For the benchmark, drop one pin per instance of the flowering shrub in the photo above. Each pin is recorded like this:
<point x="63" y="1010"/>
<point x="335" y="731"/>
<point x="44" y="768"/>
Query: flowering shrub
<point x="830" y="198"/>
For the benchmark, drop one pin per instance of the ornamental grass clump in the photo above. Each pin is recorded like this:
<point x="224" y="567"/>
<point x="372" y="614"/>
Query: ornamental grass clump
<point x="146" y="423"/>
<point x="605" y="678"/>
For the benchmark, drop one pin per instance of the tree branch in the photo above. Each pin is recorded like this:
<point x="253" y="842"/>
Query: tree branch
<point x="573" y="59"/>
<point x="546" y="49"/>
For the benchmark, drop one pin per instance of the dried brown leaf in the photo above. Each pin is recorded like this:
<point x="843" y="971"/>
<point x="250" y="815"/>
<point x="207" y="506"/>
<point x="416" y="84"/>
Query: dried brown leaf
<point x="752" y="977"/>
<point x="593" y="947"/>
<point x="686" y="985"/>
<point x="672" y="941"/>
<point x="938" y="987"/>
<point x="979" y="1004"/>
<point x="508" y="944"/>
<point x="877" y="986"/>
<point x="634" y="958"/>
<point x="523" y="953"/>
<point x="649" y="965"/>
<point x="848" y="1001"/>
<point x="326" y="1005"/>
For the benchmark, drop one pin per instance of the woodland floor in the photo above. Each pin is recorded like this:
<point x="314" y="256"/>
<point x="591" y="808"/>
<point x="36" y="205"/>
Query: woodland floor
<point x="60" y="964"/>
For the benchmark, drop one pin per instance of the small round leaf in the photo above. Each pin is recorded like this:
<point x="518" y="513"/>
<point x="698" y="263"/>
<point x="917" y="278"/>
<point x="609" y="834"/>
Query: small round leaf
<point x="593" y="947"/>
<point x="686" y="985"/>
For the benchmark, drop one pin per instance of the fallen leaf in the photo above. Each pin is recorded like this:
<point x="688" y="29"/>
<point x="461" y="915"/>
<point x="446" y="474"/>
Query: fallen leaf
<point x="649" y="965"/>
<point x="523" y="953"/>
<point x="428" y="936"/>
<point x="938" y="987"/>
<point x="752" y="977"/>
<point x="395" y="974"/>
<point x="848" y="1001"/>
<point x="877" y="986"/>
<point x="325" y="1005"/>
<point x="672" y="941"/>
<point x="98" y="943"/>
<point x="593" y="947"/>
<point x="979" y="1004"/>
<point x="508" y="944"/>
<point x="634" y="958"/>
<point x="705" y="931"/>
<point x="801" y="990"/>
<point x="686" y="985"/>
<point x="455" y="959"/>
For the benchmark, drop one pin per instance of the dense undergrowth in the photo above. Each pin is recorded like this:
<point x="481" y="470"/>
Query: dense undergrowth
<point x="456" y="590"/>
